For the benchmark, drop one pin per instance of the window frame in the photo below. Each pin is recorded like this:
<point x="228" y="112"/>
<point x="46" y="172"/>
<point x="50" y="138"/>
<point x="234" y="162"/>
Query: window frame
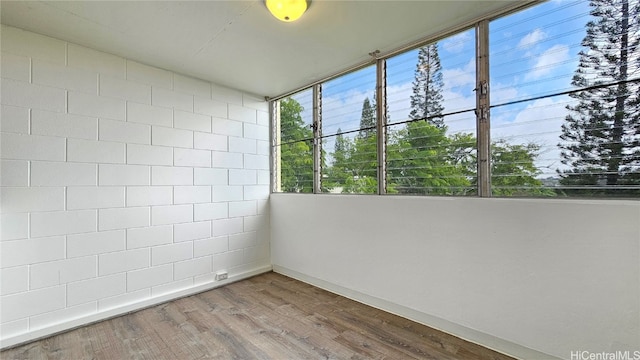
<point x="482" y="106"/>
<point x="381" y="115"/>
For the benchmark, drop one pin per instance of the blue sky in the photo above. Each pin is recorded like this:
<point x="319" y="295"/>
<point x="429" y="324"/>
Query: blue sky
<point x="532" y="52"/>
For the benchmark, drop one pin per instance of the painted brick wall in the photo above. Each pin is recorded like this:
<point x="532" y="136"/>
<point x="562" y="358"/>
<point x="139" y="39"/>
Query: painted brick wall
<point x="121" y="183"/>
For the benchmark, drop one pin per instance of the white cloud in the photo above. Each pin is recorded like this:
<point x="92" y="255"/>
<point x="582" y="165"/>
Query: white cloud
<point x="343" y="111"/>
<point x="501" y="93"/>
<point x="532" y="38"/>
<point x="464" y="122"/>
<point x="399" y="101"/>
<point x="455" y="44"/>
<point x="539" y="122"/>
<point x="548" y="61"/>
<point x="465" y="76"/>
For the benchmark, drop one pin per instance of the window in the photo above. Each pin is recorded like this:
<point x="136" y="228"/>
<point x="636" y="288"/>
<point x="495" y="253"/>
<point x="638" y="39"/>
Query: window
<point x="349" y="140"/>
<point x="564" y="91"/>
<point x="553" y="110"/>
<point x="294" y="151"/>
<point x="431" y="120"/>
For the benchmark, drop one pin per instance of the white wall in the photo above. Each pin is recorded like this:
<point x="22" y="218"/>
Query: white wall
<point x="526" y="277"/>
<point x="122" y="185"/>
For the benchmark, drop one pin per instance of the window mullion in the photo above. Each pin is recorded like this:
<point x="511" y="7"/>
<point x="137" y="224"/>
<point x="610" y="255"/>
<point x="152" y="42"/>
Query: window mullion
<point x="482" y="109"/>
<point x="276" y="161"/>
<point x="317" y="139"/>
<point x="381" y="123"/>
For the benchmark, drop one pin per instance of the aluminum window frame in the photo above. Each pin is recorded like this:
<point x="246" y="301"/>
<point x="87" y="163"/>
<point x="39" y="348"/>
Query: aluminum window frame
<point x="483" y="133"/>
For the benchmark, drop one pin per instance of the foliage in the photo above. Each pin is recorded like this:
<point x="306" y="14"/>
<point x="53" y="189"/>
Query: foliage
<point x="420" y="161"/>
<point x="364" y="154"/>
<point x="426" y="101"/>
<point x="421" y="157"/>
<point x="513" y="170"/>
<point x="368" y="119"/>
<point x="296" y="151"/>
<point x="340" y="171"/>
<point x="355" y="167"/>
<point x="364" y="165"/>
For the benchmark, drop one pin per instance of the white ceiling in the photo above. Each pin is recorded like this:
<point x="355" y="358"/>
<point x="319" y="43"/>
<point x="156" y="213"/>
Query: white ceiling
<point x="238" y="43"/>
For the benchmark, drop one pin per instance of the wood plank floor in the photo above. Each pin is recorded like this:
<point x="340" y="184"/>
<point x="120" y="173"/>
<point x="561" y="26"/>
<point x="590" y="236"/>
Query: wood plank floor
<point x="269" y="316"/>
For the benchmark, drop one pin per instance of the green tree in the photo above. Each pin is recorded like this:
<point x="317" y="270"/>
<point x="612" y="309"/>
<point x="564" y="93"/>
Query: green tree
<point x="421" y="159"/>
<point x="513" y="170"/>
<point x="426" y="164"/>
<point x="601" y="135"/>
<point x="361" y="185"/>
<point x="364" y="166"/>
<point x="363" y="157"/>
<point x="426" y="101"/>
<point x="296" y="151"/>
<point x="355" y="164"/>
<point x="368" y="119"/>
<point x="462" y="149"/>
<point x="340" y="170"/>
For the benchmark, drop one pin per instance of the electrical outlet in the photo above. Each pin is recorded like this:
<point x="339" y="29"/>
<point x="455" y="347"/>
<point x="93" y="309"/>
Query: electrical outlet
<point x="221" y="275"/>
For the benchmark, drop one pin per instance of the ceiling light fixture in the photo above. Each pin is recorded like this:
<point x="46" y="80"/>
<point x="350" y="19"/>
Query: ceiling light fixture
<point x="287" y="10"/>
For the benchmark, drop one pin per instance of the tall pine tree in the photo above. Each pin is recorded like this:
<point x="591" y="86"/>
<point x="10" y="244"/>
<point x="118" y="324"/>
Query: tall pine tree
<point x="364" y="153"/>
<point x="340" y="169"/>
<point x="601" y="135"/>
<point x="426" y="101"/>
<point x="422" y="164"/>
<point x="368" y="119"/>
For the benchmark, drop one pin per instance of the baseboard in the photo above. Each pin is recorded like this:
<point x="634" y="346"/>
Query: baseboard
<point x="57" y="328"/>
<point x="489" y="341"/>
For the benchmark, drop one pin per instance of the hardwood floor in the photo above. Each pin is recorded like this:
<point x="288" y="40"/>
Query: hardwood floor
<point x="269" y="316"/>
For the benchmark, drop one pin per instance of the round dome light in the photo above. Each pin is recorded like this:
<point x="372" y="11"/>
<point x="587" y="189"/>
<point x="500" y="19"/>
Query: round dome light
<point x="287" y="10"/>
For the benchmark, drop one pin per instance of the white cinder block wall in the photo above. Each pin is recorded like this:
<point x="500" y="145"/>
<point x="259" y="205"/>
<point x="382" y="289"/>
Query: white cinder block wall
<point x="122" y="185"/>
